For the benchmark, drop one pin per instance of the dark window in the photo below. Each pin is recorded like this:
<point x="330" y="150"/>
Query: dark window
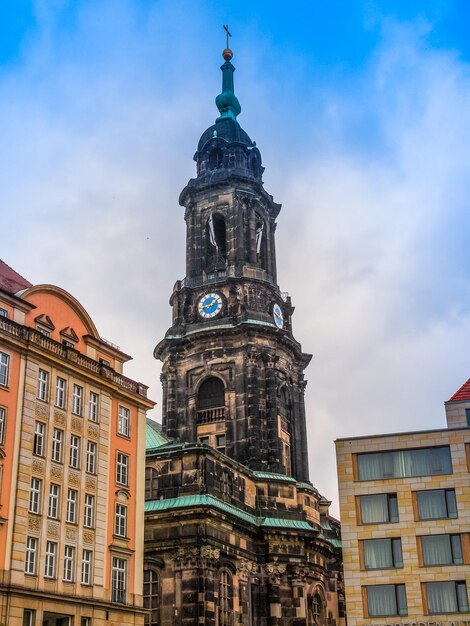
<point x="315" y="612"/>
<point x="211" y="401"/>
<point x="151" y="483"/>
<point x="216" y="242"/>
<point x="261" y="242"/>
<point x="151" y="597"/>
<point x="215" y="158"/>
<point x="225" y="599"/>
<point x="467" y="415"/>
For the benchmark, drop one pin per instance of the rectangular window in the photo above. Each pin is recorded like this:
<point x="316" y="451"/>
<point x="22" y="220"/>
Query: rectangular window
<point x="89" y="511"/>
<point x="74" y="451"/>
<point x="3" y="419"/>
<point x="43" y="385"/>
<point x="220" y="443"/>
<point x="436" y="504"/>
<point x="60" y="391"/>
<point x="31" y="556"/>
<point x="382" y="553"/>
<point x="50" y="561"/>
<point x="379" y="508"/>
<point x="441" y="550"/>
<point x="118" y="580"/>
<point x="123" y="421"/>
<point x="35" y="495"/>
<point x="93" y="404"/>
<point x="57" y="439"/>
<point x="87" y="562"/>
<point x="120" y="520"/>
<point x="72" y="499"/>
<point x="85" y="621"/>
<point x="3" y="313"/>
<point x="91" y="457"/>
<point x="77" y="400"/>
<point x="404" y="463"/>
<point x="122" y="469"/>
<point x="54" y="499"/>
<point x="38" y="444"/>
<point x="29" y="617"/>
<point x="447" y="597"/>
<point x="385" y="600"/>
<point x="4" y="367"/>
<point x="69" y="563"/>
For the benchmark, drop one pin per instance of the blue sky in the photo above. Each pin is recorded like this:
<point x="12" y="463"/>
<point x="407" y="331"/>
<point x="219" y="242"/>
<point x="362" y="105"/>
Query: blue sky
<point x="361" y="111"/>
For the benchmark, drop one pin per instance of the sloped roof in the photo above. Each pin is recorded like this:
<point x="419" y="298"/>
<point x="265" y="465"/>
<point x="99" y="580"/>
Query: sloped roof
<point x="10" y="280"/>
<point x="154" y="436"/>
<point x="462" y="394"/>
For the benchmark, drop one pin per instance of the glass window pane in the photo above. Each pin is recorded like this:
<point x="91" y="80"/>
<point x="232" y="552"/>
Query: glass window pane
<point x="377" y="553"/>
<point x="441" y="597"/>
<point x="374" y="509"/>
<point x="381" y="600"/>
<point x="436" y="550"/>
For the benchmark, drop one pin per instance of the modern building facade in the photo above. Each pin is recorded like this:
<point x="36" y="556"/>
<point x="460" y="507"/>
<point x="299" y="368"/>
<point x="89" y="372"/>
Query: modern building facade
<point x="72" y="438"/>
<point x="235" y="533"/>
<point x="405" y="517"/>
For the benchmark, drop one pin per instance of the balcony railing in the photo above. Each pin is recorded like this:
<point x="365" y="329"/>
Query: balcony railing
<point x="32" y="336"/>
<point x="207" y="416"/>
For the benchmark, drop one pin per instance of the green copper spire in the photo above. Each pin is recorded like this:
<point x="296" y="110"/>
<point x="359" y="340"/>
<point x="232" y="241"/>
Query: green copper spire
<point x="227" y="101"/>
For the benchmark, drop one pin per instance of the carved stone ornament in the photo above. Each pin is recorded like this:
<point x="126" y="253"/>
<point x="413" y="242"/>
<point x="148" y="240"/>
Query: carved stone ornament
<point x="93" y="431"/>
<point x="245" y="567"/>
<point x="275" y="569"/>
<point x="57" y="473"/>
<point x="88" y="537"/>
<point x="207" y="552"/>
<point x="42" y="410"/>
<point x="70" y="534"/>
<point x="34" y="523"/>
<point x="74" y="478"/>
<point x="90" y="483"/>
<point x="38" y="466"/>
<point x="53" y="529"/>
<point x="59" y="418"/>
<point x="77" y="424"/>
<point x="193" y="555"/>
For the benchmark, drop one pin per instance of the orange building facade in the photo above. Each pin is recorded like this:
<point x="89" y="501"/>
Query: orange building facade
<point x="72" y="441"/>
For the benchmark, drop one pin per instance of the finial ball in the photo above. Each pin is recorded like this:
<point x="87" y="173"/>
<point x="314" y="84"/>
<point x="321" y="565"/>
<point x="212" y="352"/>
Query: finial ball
<point x="227" y="54"/>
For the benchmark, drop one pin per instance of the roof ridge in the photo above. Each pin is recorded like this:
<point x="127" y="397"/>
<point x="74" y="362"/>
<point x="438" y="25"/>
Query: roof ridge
<point x="462" y="393"/>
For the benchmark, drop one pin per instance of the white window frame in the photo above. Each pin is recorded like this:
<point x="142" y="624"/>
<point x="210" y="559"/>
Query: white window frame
<point x="77" y="400"/>
<point x="50" y="561"/>
<point x="89" y="511"/>
<point x="91" y="448"/>
<point x="53" y="504"/>
<point x="3" y="421"/>
<point x="124" y="420"/>
<point x="35" y="495"/>
<point x="43" y="385"/>
<point x="93" y="406"/>
<point x="29" y="617"/>
<point x="119" y="579"/>
<point x="72" y="502"/>
<point x="4" y="368"/>
<point x="60" y="392"/>
<point x="57" y="441"/>
<point x="74" y="456"/>
<point x="39" y="439"/>
<point x="122" y="469"/>
<point x="120" y="520"/>
<point x="87" y="567"/>
<point x="69" y="564"/>
<point x="30" y="558"/>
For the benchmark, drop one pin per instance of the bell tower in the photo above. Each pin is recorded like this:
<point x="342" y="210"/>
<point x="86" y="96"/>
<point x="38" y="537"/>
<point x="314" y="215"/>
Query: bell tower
<point x="233" y="373"/>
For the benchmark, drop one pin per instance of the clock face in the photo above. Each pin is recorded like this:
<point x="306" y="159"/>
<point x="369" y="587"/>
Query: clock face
<point x="278" y="316"/>
<point x="209" y="305"/>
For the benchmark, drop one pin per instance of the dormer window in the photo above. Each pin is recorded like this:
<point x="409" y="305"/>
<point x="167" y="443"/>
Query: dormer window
<point x="69" y="337"/>
<point x="44" y="325"/>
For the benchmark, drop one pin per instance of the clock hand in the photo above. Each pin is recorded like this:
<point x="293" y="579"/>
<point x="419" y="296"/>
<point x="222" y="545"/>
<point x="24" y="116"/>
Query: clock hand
<point x="207" y="306"/>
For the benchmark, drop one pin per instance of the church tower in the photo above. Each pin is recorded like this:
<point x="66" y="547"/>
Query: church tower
<point x="232" y="370"/>
<point x="235" y="534"/>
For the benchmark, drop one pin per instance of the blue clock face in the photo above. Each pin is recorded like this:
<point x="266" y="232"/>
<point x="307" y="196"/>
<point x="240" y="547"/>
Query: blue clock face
<point x="278" y="316"/>
<point x="209" y="305"/>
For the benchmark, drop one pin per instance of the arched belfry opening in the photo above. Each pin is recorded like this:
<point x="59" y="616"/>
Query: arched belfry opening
<point x="216" y="241"/>
<point x="216" y="158"/>
<point x="284" y="426"/>
<point x="315" y="608"/>
<point x="210" y="411"/>
<point x="261" y="242"/>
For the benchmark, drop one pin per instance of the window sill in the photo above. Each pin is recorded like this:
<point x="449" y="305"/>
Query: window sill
<point x="123" y="436"/>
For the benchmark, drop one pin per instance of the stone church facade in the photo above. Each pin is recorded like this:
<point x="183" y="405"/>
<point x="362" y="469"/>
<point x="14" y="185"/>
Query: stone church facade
<point x="234" y="532"/>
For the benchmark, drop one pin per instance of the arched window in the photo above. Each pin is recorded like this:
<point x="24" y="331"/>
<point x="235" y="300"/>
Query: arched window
<point x="152" y="597"/>
<point x="225" y="612"/>
<point x="151" y="483"/>
<point x="215" y="158"/>
<point x="226" y="486"/>
<point x="315" y="610"/>
<point x="284" y="425"/>
<point x="211" y="401"/>
<point x="216" y="241"/>
<point x="261" y="242"/>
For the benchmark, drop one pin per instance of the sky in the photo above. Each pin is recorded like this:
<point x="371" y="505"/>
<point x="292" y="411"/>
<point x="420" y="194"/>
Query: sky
<point x="361" y="111"/>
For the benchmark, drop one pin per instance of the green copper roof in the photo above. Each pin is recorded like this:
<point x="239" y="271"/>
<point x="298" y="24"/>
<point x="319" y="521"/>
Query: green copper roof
<point x="184" y="502"/>
<point x="271" y="476"/>
<point x="154" y="437"/>
<point x="227" y="101"/>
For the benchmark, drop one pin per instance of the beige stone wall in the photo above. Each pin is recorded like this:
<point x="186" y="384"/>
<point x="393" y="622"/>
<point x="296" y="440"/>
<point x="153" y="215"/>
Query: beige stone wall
<point x="408" y="528"/>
